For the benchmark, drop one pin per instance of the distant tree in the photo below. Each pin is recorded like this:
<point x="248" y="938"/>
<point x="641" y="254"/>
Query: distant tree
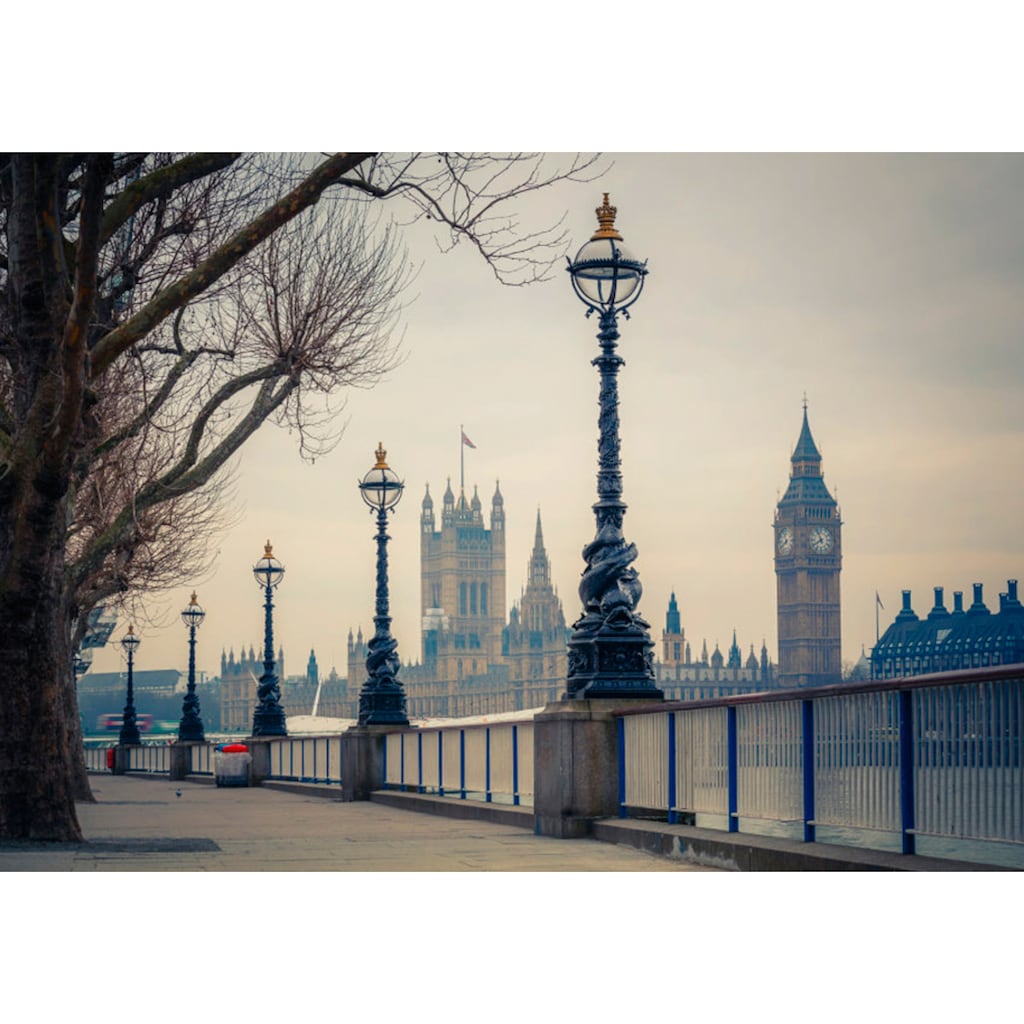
<point x="155" y="311"/>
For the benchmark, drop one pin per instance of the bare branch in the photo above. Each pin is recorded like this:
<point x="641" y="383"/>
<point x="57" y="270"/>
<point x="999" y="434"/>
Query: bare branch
<point x="221" y="261"/>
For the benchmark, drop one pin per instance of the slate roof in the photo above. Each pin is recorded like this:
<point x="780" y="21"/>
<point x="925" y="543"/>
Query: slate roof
<point x="142" y="679"/>
<point x="806" y="484"/>
<point x="949" y="640"/>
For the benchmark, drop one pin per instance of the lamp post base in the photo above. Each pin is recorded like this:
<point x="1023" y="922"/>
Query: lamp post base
<point x="382" y="705"/>
<point x="190" y="729"/>
<point x="611" y="663"/>
<point x="269" y="721"/>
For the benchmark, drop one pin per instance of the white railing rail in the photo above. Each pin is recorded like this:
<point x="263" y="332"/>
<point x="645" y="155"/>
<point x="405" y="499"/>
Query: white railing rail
<point x="305" y="758"/>
<point x="493" y="763"/>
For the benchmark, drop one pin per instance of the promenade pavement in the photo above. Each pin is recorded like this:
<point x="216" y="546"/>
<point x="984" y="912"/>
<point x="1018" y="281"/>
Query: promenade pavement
<point x="140" y="824"/>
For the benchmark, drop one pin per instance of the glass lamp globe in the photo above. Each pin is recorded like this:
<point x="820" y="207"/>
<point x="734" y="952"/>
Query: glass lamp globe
<point x="130" y="642"/>
<point x="605" y="274"/>
<point x="193" y="615"/>
<point x="381" y="488"/>
<point x="268" y="571"/>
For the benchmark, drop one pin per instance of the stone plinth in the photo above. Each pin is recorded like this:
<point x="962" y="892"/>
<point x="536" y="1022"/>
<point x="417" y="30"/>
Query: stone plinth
<point x="122" y="759"/>
<point x="575" y="766"/>
<point x="180" y="761"/>
<point x="362" y="761"/>
<point x="259" y="766"/>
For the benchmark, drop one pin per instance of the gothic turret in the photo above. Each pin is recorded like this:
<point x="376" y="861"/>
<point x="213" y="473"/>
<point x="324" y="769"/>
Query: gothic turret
<point x="448" y="505"/>
<point x="497" y="509"/>
<point x="717" y="658"/>
<point x="674" y="646"/>
<point x="539" y="570"/>
<point x="427" y="513"/>
<point x="672" y="622"/>
<point x="735" y="659"/>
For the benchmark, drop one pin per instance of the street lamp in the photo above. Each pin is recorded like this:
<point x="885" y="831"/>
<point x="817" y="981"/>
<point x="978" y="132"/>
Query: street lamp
<point x="129" y="735"/>
<point x="610" y="650"/>
<point x="190" y="729"/>
<point x="268" y="719"/>
<point x="382" y="698"/>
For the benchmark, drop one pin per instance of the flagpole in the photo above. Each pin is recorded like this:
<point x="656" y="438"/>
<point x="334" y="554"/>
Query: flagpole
<point x="462" y="460"/>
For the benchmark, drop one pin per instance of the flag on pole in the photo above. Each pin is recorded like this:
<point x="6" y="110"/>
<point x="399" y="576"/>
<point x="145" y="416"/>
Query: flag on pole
<point x="879" y="601"/>
<point x="466" y="441"/>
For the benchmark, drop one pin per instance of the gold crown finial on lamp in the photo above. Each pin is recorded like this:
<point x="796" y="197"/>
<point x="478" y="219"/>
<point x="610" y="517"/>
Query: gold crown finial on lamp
<point x="606" y="221"/>
<point x="194" y="600"/>
<point x="268" y="551"/>
<point x="381" y="455"/>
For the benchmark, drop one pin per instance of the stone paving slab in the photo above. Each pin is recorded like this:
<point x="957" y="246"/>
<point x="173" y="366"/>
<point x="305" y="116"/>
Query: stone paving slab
<point x="139" y="824"/>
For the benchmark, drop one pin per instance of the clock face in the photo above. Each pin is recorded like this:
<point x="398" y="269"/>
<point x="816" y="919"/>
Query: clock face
<point x="785" y="540"/>
<point x="820" y="540"/>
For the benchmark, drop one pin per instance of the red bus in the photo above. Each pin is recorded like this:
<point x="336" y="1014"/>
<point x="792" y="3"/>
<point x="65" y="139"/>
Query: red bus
<point x="113" y="723"/>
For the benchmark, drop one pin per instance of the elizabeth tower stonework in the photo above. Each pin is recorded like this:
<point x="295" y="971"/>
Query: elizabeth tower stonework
<point x="808" y="558"/>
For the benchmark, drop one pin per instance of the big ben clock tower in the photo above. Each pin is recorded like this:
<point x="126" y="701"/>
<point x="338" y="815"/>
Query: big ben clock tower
<point x="808" y="557"/>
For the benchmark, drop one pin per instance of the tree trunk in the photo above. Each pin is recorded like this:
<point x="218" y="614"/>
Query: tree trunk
<point x="36" y="791"/>
<point x="37" y="797"/>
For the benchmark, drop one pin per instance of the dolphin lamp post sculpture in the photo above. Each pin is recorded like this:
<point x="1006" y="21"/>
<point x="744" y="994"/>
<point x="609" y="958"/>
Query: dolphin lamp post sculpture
<point x="268" y="718"/>
<point x="190" y="729"/>
<point x="610" y="650"/>
<point x="382" y="698"/>
<point x="129" y="735"/>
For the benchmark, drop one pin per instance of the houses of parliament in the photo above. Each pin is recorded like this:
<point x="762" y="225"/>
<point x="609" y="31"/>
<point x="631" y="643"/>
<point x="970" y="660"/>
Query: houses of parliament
<point x="477" y="659"/>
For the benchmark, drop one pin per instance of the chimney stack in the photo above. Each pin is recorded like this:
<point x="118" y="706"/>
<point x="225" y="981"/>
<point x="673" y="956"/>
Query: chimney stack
<point x="939" y="611"/>
<point x="978" y="608"/>
<point x="906" y="612"/>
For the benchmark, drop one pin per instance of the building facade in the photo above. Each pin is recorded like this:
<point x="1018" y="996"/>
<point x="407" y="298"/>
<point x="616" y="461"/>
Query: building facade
<point x="239" y="679"/>
<point x="683" y="677"/>
<point x="808" y="560"/>
<point x="462" y="586"/>
<point x="534" y="641"/>
<point x="948" y="641"/>
<point x="474" y="660"/>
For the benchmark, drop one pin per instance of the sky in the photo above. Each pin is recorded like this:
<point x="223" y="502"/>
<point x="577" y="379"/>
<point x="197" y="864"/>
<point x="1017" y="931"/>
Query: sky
<point x="884" y="288"/>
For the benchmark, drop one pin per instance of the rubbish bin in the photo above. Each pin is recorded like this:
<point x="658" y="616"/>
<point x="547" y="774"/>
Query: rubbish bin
<point x="231" y="765"/>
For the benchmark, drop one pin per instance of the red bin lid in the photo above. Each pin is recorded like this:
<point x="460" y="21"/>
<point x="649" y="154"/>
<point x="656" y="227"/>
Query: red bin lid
<point x="235" y="748"/>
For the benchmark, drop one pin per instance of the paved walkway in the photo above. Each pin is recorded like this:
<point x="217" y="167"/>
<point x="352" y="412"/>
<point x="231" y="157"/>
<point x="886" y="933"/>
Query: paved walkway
<point x="139" y="824"/>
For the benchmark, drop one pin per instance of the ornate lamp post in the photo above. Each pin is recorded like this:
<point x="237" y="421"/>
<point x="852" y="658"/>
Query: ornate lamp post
<point x="382" y="698"/>
<point x="268" y="719"/>
<point x="610" y="650"/>
<point x="190" y="728"/>
<point x="129" y="735"/>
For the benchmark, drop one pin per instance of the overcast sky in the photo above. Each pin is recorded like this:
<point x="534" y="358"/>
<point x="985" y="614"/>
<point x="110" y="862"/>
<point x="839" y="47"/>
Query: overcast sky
<point x="886" y="288"/>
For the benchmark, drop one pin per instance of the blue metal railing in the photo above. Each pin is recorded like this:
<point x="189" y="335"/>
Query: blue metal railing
<point x="937" y="757"/>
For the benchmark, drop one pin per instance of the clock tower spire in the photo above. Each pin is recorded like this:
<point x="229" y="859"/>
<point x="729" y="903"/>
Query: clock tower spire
<point x="808" y="559"/>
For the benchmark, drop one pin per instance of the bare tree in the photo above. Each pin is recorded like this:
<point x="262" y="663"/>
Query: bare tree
<point x="157" y="310"/>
